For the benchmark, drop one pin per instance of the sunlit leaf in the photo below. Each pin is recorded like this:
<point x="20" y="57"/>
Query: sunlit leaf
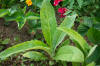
<point x="77" y="37"/>
<point x="37" y="56"/>
<point x="34" y="44"/>
<point x="3" y="12"/>
<point x="48" y="21"/>
<point x="70" y="54"/>
<point x="59" y="35"/>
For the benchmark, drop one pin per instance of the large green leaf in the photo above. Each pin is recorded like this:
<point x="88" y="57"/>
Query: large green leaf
<point x="77" y="37"/>
<point x="59" y="35"/>
<point x="3" y="12"/>
<point x="70" y="54"/>
<point x="94" y="35"/>
<point x="48" y="21"/>
<point x="33" y="44"/>
<point x="37" y="56"/>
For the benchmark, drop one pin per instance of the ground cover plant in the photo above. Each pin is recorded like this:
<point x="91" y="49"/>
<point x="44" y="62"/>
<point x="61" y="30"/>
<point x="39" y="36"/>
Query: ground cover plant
<point x="63" y="32"/>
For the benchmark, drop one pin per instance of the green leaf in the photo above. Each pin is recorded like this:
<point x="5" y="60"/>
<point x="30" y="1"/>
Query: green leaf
<point x="71" y="3"/>
<point x="13" y="10"/>
<point x="20" y="21"/>
<point x="88" y="21"/>
<point x="98" y="61"/>
<point x="77" y="37"/>
<point x="6" y="41"/>
<point x="85" y="25"/>
<point x="21" y="0"/>
<point x="70" y="54"/>
<point x="83" y="29"/>
<point x="37" y="56"/>
<point x="59" y="35"/>
<point x="94" y="35"/>
<point x="66" y="42"/>
<point x="94" y="54"/>
<point x="48" y="21"/>
<point x="91" y="64"/>
<point x="96" y="26"/>
<point x="80" y="2"/>
<point x="10" y="18"/>
<point x="33" y="44"/>
<point x="37" y="3"/>
<point x="13" y="14"/>
<point x="91" y="50"/>
<point x="64" y="3"/>
<point x="24" y="10"/>
<point x="31" y="16"/>
<point x="75" y="64"/>
<point x="3" y="12"/>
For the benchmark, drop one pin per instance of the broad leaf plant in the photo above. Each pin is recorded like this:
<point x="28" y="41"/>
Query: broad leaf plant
<point x="54" y="35"/>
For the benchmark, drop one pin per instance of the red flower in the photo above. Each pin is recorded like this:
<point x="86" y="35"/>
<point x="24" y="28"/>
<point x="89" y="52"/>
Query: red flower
<point x="56" y="2"/>
<point x="62" y="11"/>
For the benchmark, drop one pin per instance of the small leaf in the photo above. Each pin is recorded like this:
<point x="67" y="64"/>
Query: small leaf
<point x="92" y="50"/>
<point x="31" y="16"/>
<point x="88" y="21"/>
<point x="70" y="54"/>
<point x="20" y="21"/>
<point x="21" y="0"/>
<point x="80" y="2"/>
<point x="33" y="44"/>
<point x="94" y="54"/>
<point x="83" y="29"/>
<point x="37" y="56"/>
<point x="94" y="35"/>
<point x="6" y="41"/>
<point x="71" y="3"/>
<point x="37" y="3"/>
<point x="3" y="12"/>
<point x="13" y="10"/>
<point x="24" y="9"/>
<point x="91" y="64"/>
<point x="66" y="42"/>
<point x="85" y="25"/>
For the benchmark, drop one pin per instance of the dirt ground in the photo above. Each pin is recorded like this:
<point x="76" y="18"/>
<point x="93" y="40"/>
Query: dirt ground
<point x="12" y="31"/>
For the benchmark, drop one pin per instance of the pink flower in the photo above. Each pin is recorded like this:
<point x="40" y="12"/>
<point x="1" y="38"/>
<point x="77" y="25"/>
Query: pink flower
<point x="62" y="11"/>
<point x="56" y="2"/>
